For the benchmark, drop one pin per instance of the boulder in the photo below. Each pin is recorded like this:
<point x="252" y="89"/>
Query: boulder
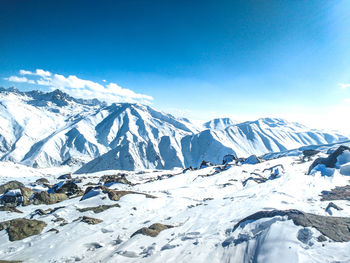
<point x="21" y="228"/>
<point x="10" y="186"/>
<point x="152" y="230"/>
<point x="12" y="198"/>
<point x="43" y="181"/>
<point x="69" y="188"/>
<point x="48" y="199"/>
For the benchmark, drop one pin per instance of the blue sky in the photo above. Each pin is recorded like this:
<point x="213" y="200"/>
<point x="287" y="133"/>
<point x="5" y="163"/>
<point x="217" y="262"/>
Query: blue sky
<point x="202" y="59"/>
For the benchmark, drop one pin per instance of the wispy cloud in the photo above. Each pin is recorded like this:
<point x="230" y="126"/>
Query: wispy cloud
<point x="82" y="88"/>
<point x="344" y="85"/>
<point x="20" y="79"/>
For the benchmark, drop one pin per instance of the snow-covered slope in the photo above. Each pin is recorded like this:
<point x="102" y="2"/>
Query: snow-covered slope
<point x="212" y="214"/>
<point x="51" y="129"/>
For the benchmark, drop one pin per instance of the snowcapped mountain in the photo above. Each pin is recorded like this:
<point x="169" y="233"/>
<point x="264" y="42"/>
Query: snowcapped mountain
<point x="51" y="129"/>
<point x="219" y="123"/>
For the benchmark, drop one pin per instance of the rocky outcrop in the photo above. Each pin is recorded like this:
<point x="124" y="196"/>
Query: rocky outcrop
<point x="329" y="161"/>
<point x="97" y="209"/>
<point x="152" y="230"/>
<point x="10" y="209"/>
<point x="27" y="193"/>
<point x="64" y="177"/>
<point x="89" y="220"/>
<point x="335" y="228"/>
<point x="12" y="185"/>
<point x="307" y="154"/>
<point x="108" y="180"/>
<point x="69" y="188"/>
<point x="48" y="199"/>
<point x="112" y="194"/>
<point x="338" y="193"/>
<point x="21" y="228"/>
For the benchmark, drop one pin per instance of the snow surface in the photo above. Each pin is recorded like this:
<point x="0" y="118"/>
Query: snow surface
<point x="204" y="209"/>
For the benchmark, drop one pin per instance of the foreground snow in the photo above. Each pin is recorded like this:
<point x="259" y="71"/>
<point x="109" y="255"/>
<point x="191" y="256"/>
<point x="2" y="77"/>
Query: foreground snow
<point x="203" y="210"/>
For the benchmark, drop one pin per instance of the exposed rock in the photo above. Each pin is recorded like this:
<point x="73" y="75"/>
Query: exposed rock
<point x="205" y="164"/>
<point x="89" y="220"/>
<point x="253" y="159"/>
<point x="43" y="181"/>
<point x="228" y="158"/>
<point x="338" y="193"/>
<point x="10" y="186"/>
<point x="309" y="153"/>
<point x="69" y="188"/>
<point x="152" y="230"/>
<point x="12" y="198"/>
<point x="48" y="199"/>
<point x="258" y="180"/>
<point x="97" y="209"/>
<point x="112" y="194"/>
<point x="331" y="160"/>
<point x="53" y="230"/>
<point x="108" y="180"/>
<point x="332" y="205"/>
<point x="65" y="176"/>
<point x="21" y="228"/>
<point x="335" y="228"/>
<point x="10" y="261"/>
<point x="10" y="209"/>
<point x="321" y="238"/>
<point x="26" y="194"/>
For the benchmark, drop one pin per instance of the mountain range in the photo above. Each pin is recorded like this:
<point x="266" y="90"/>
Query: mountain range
<point x="44" y="129"/>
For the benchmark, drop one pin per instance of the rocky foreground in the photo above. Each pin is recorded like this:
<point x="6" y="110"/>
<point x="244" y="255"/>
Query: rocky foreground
<point x="285" y="209"/>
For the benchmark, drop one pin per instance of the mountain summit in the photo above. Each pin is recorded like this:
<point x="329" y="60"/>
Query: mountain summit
<point x="50" y="129"/>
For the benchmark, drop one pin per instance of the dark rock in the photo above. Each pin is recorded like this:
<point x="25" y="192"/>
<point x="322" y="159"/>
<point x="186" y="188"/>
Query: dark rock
<point x="48" y="199"/>
<point x="205" y="164"/>
<point x="65" y="176"/>
<point x="228" y="158"/>
<point x="53" y="230"/>
<point x="97" y="209"/>
<point x="332" y="205"/>
<point x="69" y="188"/>
<point x="253" y="159"/>
<point x="335" y="228"/>
<point x="152" y="230"/>
<point x="331" y="160"/>
<point x="10" y="261"/>
<point x="108" y="180"/>
<point x="21" y="228"/>
<point x="12" y="185"/>
<point x="89" y="220"/>
<point x="26" y="194"/>
<point x="10" y="209"/>
<point x="112" y="194"/>
<point x="43" y="181"/>
<point x="11" y="198"/>
<point x="321" y="238"/>
<point x="338" y="193"/>
<point x="258" y="180"/>
<point x="309" y="153"/>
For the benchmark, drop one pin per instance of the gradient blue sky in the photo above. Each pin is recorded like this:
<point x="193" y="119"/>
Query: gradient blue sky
<point x="203" y="59"/>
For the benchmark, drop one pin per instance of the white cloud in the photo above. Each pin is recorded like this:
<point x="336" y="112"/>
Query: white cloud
<point x="38" y="72"/>
<point x="20" y="79"/>
<point x="344" y="85"/>
<point x="81" y="88"/>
